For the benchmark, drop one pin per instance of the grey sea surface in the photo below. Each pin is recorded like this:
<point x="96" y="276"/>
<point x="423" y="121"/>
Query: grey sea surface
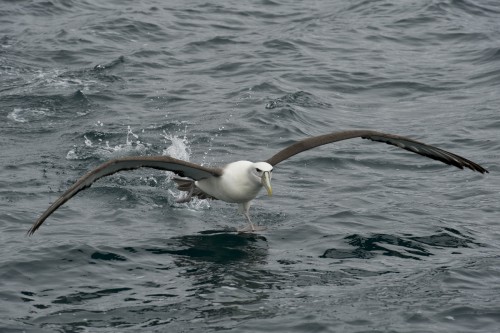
<point x="361" y="236"/>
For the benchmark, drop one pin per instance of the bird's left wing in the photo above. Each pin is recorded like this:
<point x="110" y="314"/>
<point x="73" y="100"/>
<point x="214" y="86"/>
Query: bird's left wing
<point x="181" y="168"/>
<point x="391" y="139"/>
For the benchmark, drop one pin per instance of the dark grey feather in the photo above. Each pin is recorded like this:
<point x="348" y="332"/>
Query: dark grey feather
<point x="395" y="140"/>
<point x="181" y="168"/>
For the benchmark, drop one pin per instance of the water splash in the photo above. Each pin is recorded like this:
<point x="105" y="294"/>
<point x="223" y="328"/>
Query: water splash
<point x="129" y="134"/>
<point x="176" y="146"/>
<point x="88" y="143"/>
<point x="180" y="149"/>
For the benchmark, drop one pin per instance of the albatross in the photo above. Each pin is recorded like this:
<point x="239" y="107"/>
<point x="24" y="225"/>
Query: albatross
<point x="240" y="182"/>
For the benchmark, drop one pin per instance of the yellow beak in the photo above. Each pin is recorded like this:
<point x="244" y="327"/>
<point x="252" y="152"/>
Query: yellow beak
<point x="266" y="182"/>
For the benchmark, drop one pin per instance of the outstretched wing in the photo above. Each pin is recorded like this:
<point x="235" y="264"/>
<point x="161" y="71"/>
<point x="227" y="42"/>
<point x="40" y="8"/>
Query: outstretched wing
<point x="181" y="168"/>
<point x="395" y="140"/>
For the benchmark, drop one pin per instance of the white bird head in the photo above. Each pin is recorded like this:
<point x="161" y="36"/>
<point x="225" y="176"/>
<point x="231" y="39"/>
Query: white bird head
<point x="263" y="172"/>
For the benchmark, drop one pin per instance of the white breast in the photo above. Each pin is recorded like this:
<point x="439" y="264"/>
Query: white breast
<point x="237" y="183"/>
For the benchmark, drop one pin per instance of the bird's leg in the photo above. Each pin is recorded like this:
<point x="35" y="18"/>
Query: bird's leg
<point x="243" y="208"/>
<point x="188" y="196"/>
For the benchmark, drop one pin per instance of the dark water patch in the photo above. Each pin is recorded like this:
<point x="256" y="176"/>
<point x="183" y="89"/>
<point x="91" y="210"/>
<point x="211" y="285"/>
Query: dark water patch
<point x="448" y="238"/>
<point x="347" y="254"/>
<point x="411" y="247"/>
<point x="380" y="244"/>
<point x="107" y="256"/>
<point x="161" y="295"/>
<point x="220" y="248"/>
<point x="81" y="297"/>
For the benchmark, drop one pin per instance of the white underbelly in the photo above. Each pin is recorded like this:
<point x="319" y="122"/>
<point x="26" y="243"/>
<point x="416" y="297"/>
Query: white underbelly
<point x="229" y="190"/>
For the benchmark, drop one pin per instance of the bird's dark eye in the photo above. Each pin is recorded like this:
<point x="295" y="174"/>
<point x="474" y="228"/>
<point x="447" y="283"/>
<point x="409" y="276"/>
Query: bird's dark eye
<point x="258" y="170"/>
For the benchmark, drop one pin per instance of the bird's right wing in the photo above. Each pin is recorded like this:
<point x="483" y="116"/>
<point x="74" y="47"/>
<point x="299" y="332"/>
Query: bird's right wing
<point x="181" y="168"/>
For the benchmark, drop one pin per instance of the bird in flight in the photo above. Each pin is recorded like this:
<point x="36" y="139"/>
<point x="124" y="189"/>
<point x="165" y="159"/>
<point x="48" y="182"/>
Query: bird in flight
<point x="240" y="182"/>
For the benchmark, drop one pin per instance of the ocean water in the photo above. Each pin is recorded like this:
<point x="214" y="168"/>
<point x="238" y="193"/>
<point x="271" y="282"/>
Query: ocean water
<point x="361" y="236"/>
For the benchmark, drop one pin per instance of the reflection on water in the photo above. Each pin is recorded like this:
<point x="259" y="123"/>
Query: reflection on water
<point x="217" y="247"/>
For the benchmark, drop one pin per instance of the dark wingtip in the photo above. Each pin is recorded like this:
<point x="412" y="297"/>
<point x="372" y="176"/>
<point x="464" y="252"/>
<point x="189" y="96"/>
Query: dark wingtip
<point x="30" y="232"/>
<point x="475" y="167"/>
<point x="478" y="168"/>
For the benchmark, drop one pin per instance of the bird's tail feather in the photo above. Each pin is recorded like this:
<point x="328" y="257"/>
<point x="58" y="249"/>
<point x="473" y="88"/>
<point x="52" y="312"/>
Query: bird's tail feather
<point x="188" y="185"/>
